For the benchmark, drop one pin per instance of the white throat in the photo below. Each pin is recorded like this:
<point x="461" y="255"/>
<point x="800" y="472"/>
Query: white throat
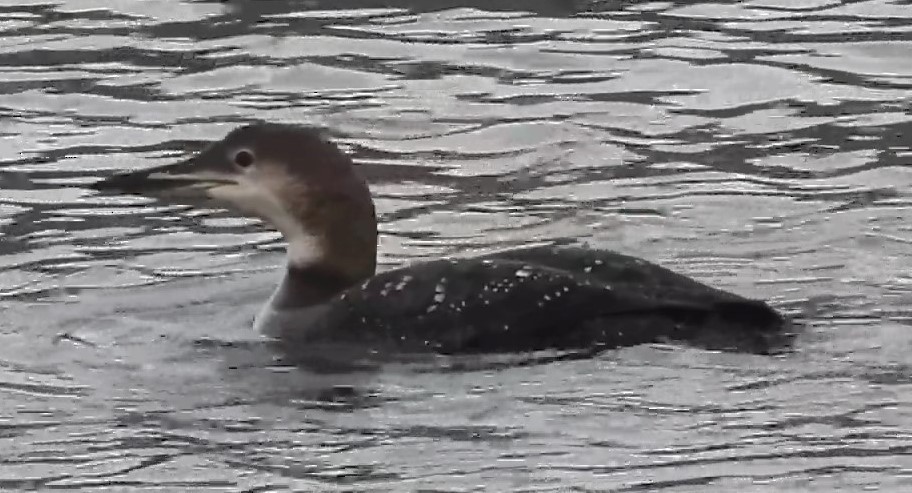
<point x="304" y="247"/>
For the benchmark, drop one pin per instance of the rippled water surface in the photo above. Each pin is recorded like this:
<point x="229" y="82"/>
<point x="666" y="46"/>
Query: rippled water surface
<point x="761" y="146"/>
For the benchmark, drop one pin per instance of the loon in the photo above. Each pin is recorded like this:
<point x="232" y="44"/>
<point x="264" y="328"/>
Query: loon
<point x="522" y="300"/>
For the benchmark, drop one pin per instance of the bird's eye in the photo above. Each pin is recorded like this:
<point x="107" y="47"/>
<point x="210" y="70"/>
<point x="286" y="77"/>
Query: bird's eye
<point x="243" y="158"/>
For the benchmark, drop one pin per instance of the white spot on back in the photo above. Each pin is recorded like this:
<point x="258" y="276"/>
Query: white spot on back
<point x="439" y="290"/>
<point x="405" y="280"/>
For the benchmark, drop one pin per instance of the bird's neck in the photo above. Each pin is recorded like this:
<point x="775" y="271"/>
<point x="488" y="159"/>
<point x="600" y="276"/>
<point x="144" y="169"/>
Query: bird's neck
<point x="332" y="238"/>
<point x="332" y="246"/>
<point x="301" y="293"/>
<point x="307" y="286"/>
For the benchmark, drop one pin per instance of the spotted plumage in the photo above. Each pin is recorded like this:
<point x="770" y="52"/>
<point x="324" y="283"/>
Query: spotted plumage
<point x="535" y="298"/>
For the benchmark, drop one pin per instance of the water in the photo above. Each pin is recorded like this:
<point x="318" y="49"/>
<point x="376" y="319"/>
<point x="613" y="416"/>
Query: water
<point x="760" y="146"/>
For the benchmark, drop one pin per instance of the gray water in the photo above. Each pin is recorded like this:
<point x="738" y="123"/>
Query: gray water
<point x="762" y="147"/>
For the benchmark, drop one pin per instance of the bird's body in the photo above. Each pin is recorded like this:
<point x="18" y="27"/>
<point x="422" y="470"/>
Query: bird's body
<point x="519" y="300"/>
<point x="529" y="299"/>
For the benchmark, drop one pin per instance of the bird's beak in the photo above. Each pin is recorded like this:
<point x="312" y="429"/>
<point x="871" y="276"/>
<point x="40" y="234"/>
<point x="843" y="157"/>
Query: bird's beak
<point x="189" y="179"/>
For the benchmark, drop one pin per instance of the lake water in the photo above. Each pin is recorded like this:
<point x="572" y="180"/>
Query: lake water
<point x="760" y="146"/>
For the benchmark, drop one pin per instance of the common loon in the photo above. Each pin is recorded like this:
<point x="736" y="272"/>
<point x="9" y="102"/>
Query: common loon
<point x="520" y="300"/>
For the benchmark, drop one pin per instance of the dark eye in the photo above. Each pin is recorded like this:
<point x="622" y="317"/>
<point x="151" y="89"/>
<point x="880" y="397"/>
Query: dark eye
<point x="243" y="158"/>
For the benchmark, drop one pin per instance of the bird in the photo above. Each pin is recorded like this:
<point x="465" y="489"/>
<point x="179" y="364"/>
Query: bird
<point x="520" y="300"/>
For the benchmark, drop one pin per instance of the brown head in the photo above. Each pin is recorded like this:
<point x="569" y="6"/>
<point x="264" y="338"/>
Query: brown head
<point x="289" y="176"/>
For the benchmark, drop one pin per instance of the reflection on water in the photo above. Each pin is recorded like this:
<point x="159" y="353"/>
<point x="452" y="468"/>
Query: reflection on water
<point x="760" y="146"/>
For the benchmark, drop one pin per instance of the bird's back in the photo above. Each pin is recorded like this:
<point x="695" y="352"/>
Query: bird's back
<point x="539" y="298"/>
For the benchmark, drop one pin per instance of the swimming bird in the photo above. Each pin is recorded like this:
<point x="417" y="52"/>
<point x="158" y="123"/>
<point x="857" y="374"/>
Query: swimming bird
<point x="520" y="300"/>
